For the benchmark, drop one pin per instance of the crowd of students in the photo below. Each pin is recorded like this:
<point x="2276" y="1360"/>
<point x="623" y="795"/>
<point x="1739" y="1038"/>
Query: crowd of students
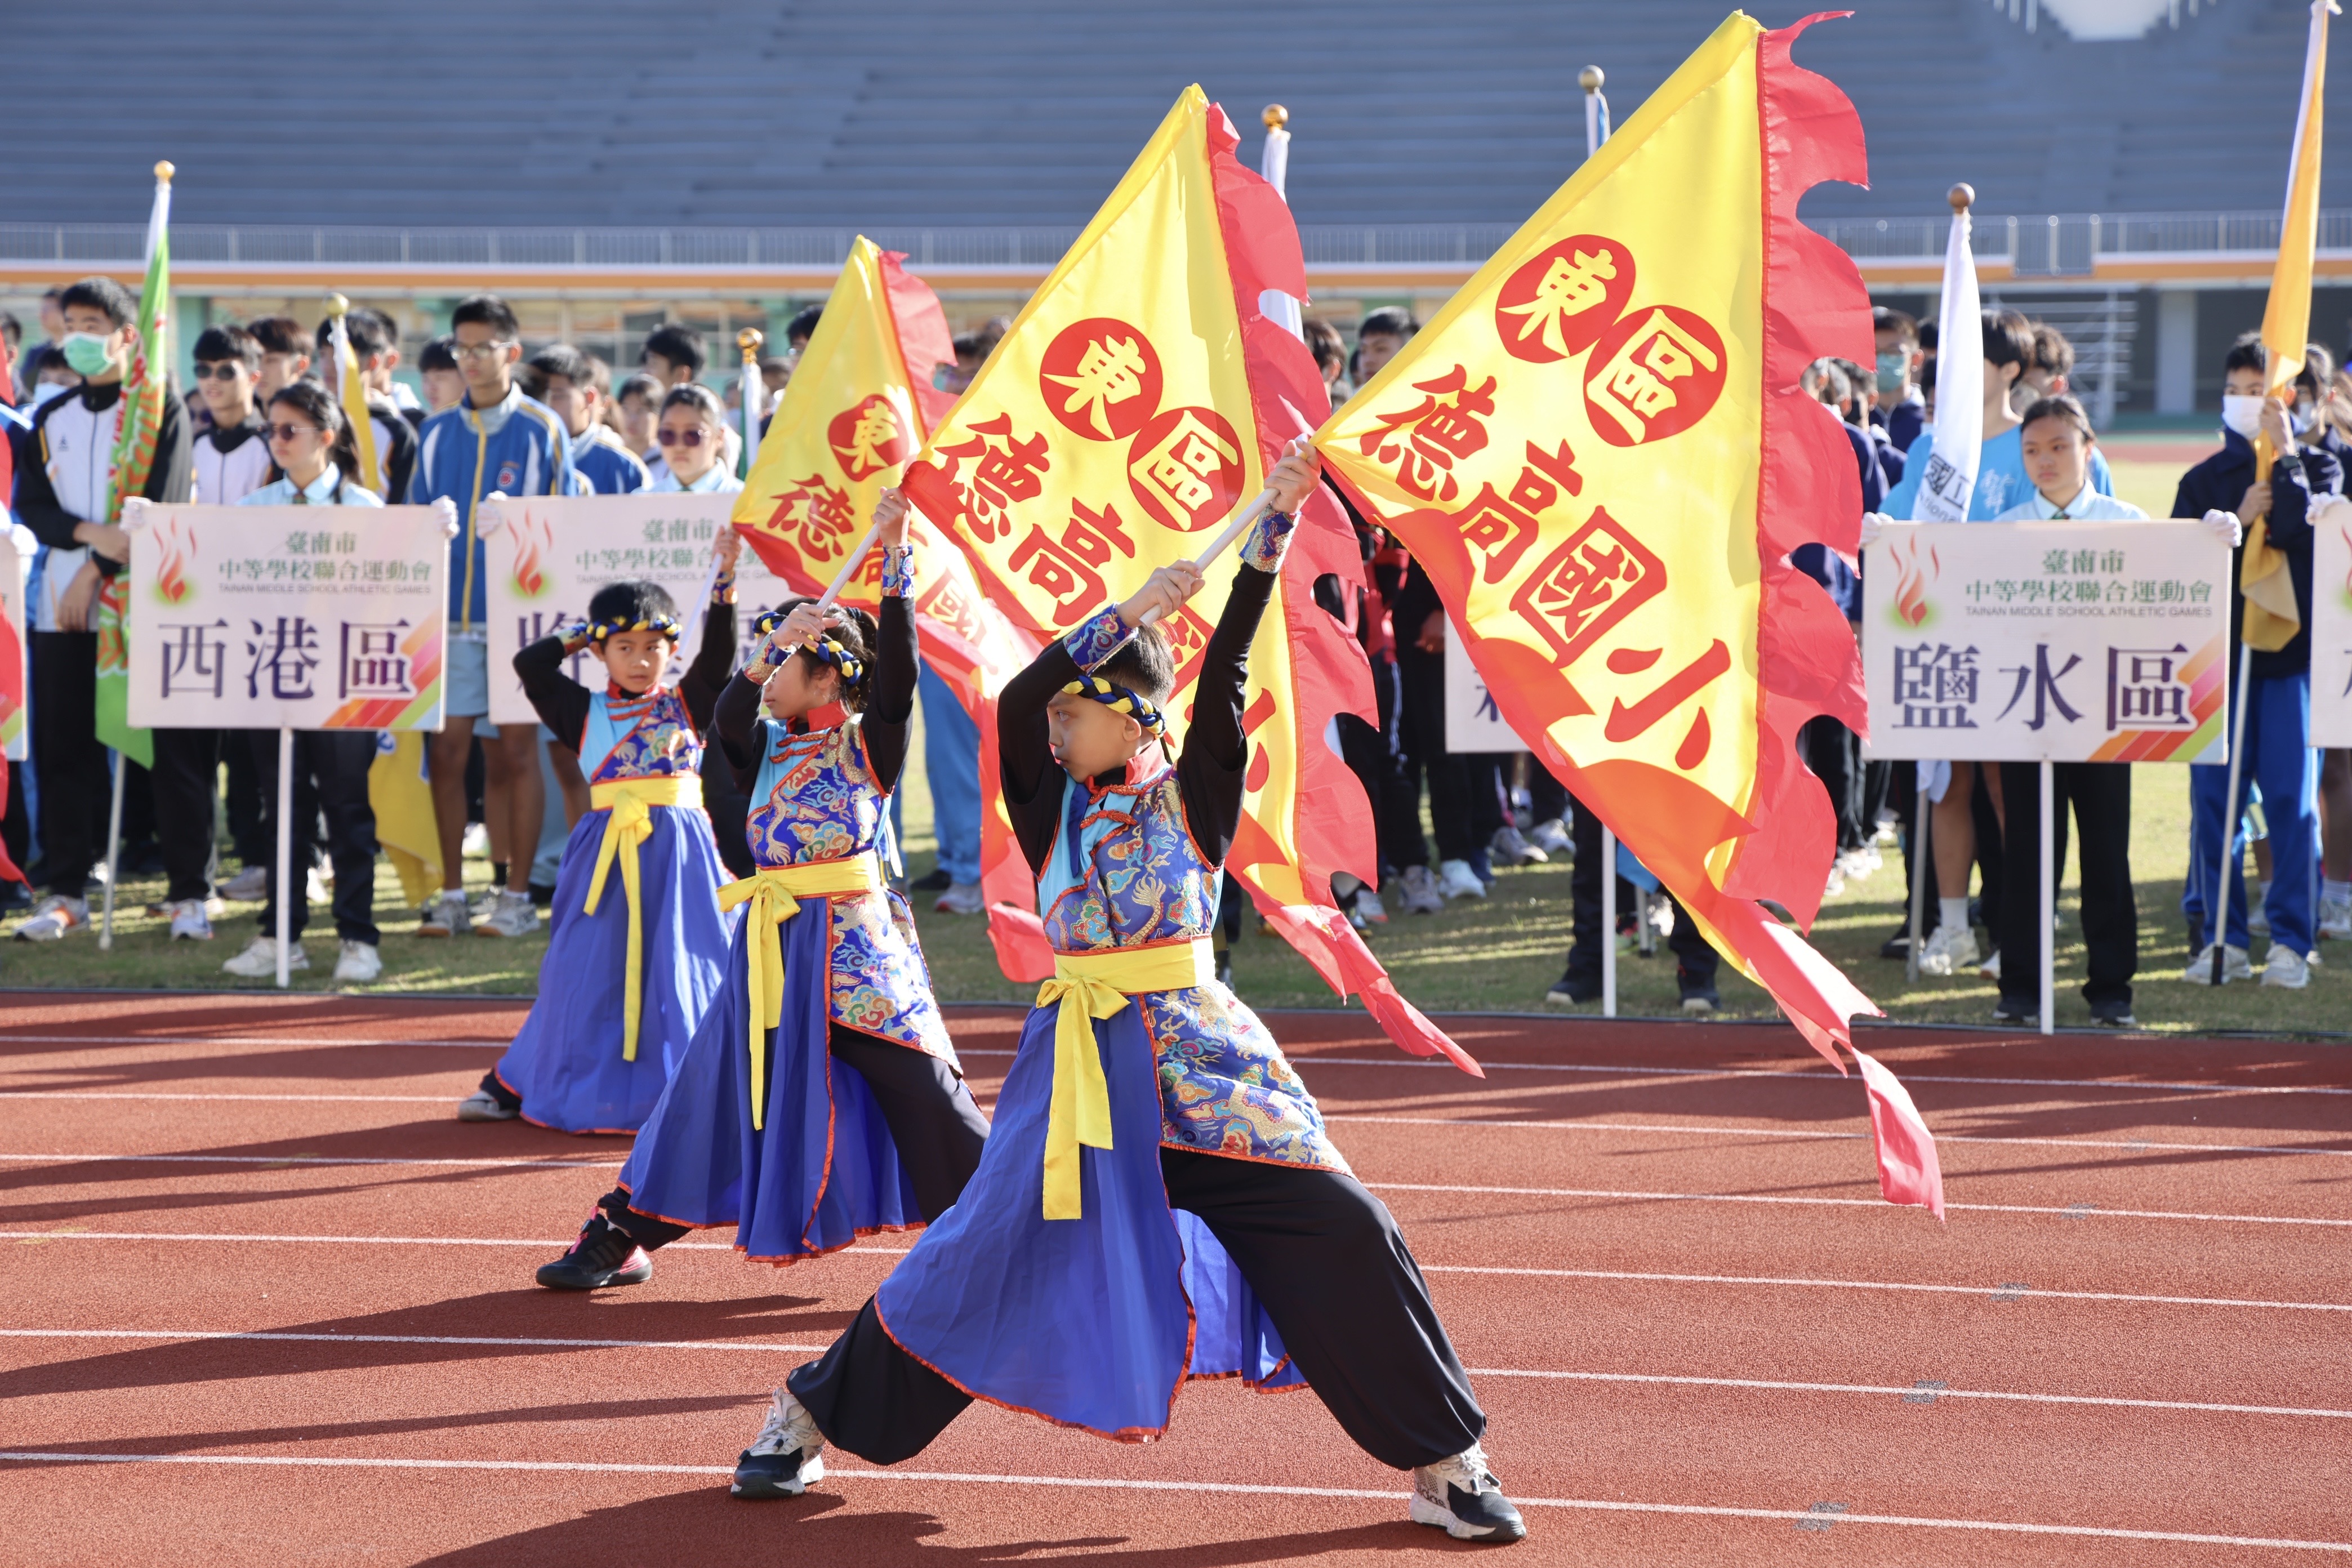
<point x="257" y="427"/>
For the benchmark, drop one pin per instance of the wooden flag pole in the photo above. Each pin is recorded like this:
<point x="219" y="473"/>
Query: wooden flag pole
<point x="1242" y="522"/>
<point x="849" y="567"/>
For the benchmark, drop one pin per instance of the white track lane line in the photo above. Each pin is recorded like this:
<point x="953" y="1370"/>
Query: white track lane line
<point x="290" y="1160"/>
<point x="1243" y="1489"/>
<point x="305" y="1040"/>
<point x="272" y="1099"/>
<point x="1765" y="1384"/>
<point x="2009" y="1292"/>
<point x="2121" y="1146"/>
<point x="2082" y="1211"/>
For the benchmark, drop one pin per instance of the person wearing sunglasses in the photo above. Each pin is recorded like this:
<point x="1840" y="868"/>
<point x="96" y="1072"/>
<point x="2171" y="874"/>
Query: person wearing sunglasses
<point x="692" y="430"/>
<point x="311" y="441"/>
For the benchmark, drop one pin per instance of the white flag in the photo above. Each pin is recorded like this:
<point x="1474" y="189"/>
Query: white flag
<point x="1274" y="164"/>
<point x="1951" y="476"/>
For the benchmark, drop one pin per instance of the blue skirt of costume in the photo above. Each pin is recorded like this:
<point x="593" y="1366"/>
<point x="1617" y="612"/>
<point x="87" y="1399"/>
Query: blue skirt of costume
<point x="565" y="1062"/>
<point x="821" y="1171"/>
<point x="1094" y="1322"/>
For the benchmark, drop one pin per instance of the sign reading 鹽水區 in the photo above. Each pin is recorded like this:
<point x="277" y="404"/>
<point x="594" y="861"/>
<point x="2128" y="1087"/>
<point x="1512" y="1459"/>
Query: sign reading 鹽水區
<point x="2070" y="642"/>
<point x="297" y="617"/>
<point x="552" y="552"/>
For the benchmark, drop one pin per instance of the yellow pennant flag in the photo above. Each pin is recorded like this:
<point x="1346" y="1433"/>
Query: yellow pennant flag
<point x="1600" y="452"/>
<point x="402" y="799"/>
<point x="351" y="391"/>
<point x="2271" y="618"/>
<point x="1136" y="402"/>
<point x="858" y="405"/>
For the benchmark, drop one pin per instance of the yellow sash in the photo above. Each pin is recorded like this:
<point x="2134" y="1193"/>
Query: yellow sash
<point x="631" y="801"/>
<point x="1086" y="986"/>
<point x="775" y="893"/>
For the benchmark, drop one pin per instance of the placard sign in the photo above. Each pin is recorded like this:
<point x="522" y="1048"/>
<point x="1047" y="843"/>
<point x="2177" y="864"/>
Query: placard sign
<point x="1473" y="723"/>
<point x="2331" y="629"/>
<point x="293" y="618"/>
<point x="2070" y="642"/>
<point x="553" y="552"/>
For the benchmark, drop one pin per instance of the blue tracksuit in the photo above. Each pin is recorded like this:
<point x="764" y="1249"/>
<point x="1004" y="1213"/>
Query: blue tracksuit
<point x="2001" y="480"/>
<point x="606" y="465"/>
<point x="517" y="446"/>
<point x="2277" y="757"/>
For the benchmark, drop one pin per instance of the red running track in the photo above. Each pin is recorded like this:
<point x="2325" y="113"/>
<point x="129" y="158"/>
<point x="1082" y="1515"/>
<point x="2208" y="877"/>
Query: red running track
<point x="268" y="1302"/>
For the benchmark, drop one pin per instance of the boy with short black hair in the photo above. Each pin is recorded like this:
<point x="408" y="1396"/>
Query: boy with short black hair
<point x="496" y="443"/>
<point x="2277" y="755"/>
<point x="598" y="455"/>
<point x="1378" y="336"/>
<point x="231" y="460"/>
<point x="802" y="327"/>
<point x="1902" y="410"/>
<point x="673" y="356"/>
<point x="285" y="352"/>
<point x="638" y="411"/>
<point x="370" y="333"/>
<point x="436" y="367"/>
<point x="64" y="496"/>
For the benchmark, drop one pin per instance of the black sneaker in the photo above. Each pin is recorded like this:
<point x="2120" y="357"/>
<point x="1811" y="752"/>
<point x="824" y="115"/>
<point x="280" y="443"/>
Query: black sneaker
<point x="786" y="1455"/>
<point x="2011" y="1010"/>
<point x="1461" y="1497"/>
<point x="1573" y="991"/>
<point x="938" y="882"/>
<point x="2114" y="1015"/>
<point x="601" y="1257"/>
<point x="542" y="895"/>
<point x="1898" y="946"/>
<point x="1699" y="999"/>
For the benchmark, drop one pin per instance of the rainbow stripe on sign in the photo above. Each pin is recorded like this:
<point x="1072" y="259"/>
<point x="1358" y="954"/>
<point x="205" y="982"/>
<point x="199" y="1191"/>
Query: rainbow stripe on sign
<point x="420" y="712"/>
<point x="2207" y="673"/>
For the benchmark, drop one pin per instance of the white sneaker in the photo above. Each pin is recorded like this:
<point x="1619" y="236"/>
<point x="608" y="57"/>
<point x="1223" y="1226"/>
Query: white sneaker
<point x="1456" y="880"/>
<point x="962" y="898"/>
<point x="2285" y="968"/>
<point x="1550" y="836"/>
<point x="514" y="917"/>
<point x="1461" y="1497"/>
<point x="1990" y="967"/>
<point x="483" y="908"/>
<point x="1421" y="894"/>
<point x="2234" y="966"/>
<point x="1368" y="907"/>
<point x="359" y="962"/>
<point x="2336" y="917"/>
<point x="318" y="888"/>
<point x="52" y="918"/>
<point x="259" y="961"/>
<point x="1836" y="883"/>
<point x="786" y="1455"/>
<point x="189" y="923"/>
<point x="249" y="886"/>
<point x="1508" y="847"/>
<point x="1952" y="950"/>
<point x="446" y="916"/>
<point x="1859" y="863"/>
<point x="483" y="1106"/>
<point x="476" y="841"/>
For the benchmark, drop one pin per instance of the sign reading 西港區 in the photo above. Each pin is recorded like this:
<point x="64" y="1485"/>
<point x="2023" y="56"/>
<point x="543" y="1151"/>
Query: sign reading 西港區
<point x="297" y="617"/>
<point x="2070" y="642"/>
<point x="2331" y="629"/>
<point x="552" y="552"/>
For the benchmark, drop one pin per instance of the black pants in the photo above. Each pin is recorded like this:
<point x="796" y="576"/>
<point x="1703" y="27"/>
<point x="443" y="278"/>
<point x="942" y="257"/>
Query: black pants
<point x="1547" y="797"/>
<point x="1325" y="1258"/>
<point x="71" y="763"/>
<point x="934" y="1122"/>
<point x="331" y="778"/>
<point x="186" y="770"/>
<point x="1456" y="810"/>
<point x="16" y="826"/>
<point x="1372" y="754"/>
<point x="243" y="794"/>
<point x="1835" y="754"/>
<point x="1694" y="957"/>
<point x="2101" y="793"/>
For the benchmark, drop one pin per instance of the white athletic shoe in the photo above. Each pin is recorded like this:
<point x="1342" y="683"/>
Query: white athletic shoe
<point x="446" y="916"/>
<point x="2336" y="917"/>
<point x="787" y="1455"/>
<point x="189" y="921"/>
<point x="259" y="961"/>
<point x="1368" y="907"/>
<point x="359" y="962"/>
<point x="2234" y="966"/>
<point x="1509" y="848"/>
<point x="1951" y="951"/>
<point x="1990" y="967"/>
<point x="249" y="886"/>
<point x="1421" y="894"/>
<point x="52" y="918"/>
<point x="2285" y="968"/>
<point x="483" y="1106"/>
<point x="1550" y="836"/>
<point x="1859" y="863"/>
<point x="319" y="887"/>
<point x="962" y="898"/>
<point x="1456" y="879"/>
<point x="514" y="918"/>
<point x="1460" y="1497"/>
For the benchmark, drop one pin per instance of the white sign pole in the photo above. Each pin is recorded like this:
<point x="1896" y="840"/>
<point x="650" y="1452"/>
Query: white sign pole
<point x="114" y="854"/>
<point x="2217" y="917"/>
<point x="1608" y="923"/>
<point x="1919" y="863"/>
<point x="285" y="851"/>
<point x="2048" y="902"/>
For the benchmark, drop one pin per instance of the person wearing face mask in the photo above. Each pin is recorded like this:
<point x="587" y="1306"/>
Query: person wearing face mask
<point x="1902" y="412"/>
<point x="64" y="496"/>
<point x="690" y="432"/>
<point x="2277" y="758"/>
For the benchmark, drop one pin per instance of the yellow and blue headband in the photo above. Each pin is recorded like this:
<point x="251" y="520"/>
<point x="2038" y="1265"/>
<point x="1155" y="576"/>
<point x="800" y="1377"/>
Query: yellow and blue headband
<point x="1118" y="699"/>
<point x="824" y="649"/>
<point x="665" y="624"/>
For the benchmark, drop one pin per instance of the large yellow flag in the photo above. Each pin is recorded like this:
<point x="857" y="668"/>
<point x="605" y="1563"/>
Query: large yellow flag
<point x="2271" y="618"/>
<point x="858" y="405"/>
<point x="1137" y="400"/>
<point x="1599" y="453"/>
<point x="401" y="798"/>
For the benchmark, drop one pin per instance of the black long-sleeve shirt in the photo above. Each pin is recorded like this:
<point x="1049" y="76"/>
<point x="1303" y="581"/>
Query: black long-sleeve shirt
<point x="564" y="703"/>
<point x="1208" y="772"/>
<point x="2297" y="481"/>
<point x="889" y="706"/>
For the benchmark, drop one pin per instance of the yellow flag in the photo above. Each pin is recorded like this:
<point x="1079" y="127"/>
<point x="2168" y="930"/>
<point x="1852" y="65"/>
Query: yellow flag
<point x="351" y="391"/>
<point x="404" y="823"/>
<point x="2272" y="618"/>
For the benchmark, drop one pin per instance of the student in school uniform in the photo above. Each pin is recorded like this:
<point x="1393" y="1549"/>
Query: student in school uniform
<point x="599" y="456"/>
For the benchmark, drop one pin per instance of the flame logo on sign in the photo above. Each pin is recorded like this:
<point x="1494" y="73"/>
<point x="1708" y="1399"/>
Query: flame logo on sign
<point x="178" y="543"/>
<point x="1911" y="585"/>
<point x="533" y="540"/>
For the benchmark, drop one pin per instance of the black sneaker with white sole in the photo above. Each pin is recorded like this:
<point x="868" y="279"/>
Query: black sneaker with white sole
<point x="603" y="1257"/>
<point x="786" y="1455"/>
<point x="1461" y="1497"/>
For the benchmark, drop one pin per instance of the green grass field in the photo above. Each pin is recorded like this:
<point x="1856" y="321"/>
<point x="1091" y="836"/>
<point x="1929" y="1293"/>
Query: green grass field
<point x="1496" y="954"/>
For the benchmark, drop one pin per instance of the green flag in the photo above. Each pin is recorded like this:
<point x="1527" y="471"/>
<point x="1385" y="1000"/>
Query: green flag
<point x="143" y="392"/>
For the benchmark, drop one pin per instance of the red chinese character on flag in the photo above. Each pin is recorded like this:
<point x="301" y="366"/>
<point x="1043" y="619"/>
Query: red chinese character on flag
<point x="868" y="438"/>
<point x="1004" y="470"/>
<point x="817" y="519"/>
<point x="1654" y="375"/>
<point x="1425" y="442"/>
<point x="1501" y="527"/>
<point x="1560" y="300"/>
<point x="1598" y="576"/>
<point x="1101" y="378"/>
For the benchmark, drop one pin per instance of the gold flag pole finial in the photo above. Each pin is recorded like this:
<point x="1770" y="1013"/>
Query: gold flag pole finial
<point x="163" y="171"/>
<point x="338" y="306"/>
<point x="748" y="339"/>
<point x="1274" y="117"/>
<point x="1591" y="78"/>
<point x="1962" y="197"/>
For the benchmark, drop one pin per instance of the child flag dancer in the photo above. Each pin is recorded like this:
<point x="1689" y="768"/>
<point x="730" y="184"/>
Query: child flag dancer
<point x="761" y="1128"/>
<point x="1159" y="1198"/>
<point x="634" y="958"/>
